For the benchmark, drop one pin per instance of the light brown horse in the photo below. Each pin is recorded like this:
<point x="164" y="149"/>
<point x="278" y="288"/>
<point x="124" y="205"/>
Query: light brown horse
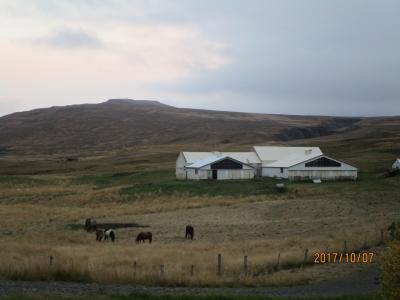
<point x="143" y="236"/>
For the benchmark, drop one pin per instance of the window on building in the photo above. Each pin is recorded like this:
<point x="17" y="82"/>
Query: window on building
<point x="323" y="162"/>
<point x="226" y="164"/>
<point x="281" y="170"/>
<point x="196" y="171"/>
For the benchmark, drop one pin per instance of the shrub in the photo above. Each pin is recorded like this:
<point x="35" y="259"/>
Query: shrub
<point x="390" y="265"/>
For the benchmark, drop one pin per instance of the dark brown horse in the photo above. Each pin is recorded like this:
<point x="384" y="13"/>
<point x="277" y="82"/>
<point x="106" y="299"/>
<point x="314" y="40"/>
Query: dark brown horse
<point x="143" y="236"/>
<point x="90" y="224"/>
<point x="99" y="235"/>
<point x="189" y="232"/>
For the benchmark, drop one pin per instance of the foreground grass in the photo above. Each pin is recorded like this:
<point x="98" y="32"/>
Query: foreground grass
<point x="179" y="297"/>
<point x="43" y="203"/>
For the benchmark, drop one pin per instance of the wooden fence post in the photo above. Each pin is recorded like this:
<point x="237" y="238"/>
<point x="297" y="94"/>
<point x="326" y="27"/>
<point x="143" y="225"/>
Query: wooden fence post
<point x="245" y="265"/>
<point x="134" y="268"/>
<point x="51" y="258"/>
<point x="192" y="270"/>
<point x="279" y="261"/>
<point x="305" y="257"/>
<point x="219" y="265"/>
<point x="162" y="269"/>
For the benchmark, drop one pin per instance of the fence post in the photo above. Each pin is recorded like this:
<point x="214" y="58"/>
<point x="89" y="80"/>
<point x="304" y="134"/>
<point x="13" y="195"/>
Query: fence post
<point x="192" y="270"/>
<point x="345" y="246"/>
<point x="162" y="269"/>
<point x="279" y="261"/>
<point x="382" y="240"/>
<point x="219" y="264"/>
<point x="134" y="268"/>
<point x="305" y="256"/>
<point x="245" y="265"/>
<point x="51" y="258"/>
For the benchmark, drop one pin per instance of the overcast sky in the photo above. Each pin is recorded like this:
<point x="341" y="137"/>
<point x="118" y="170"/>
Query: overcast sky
<point x="293" y="57"/>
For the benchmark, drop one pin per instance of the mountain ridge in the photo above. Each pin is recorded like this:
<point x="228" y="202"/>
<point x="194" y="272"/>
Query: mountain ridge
<point x="121" y="123"/>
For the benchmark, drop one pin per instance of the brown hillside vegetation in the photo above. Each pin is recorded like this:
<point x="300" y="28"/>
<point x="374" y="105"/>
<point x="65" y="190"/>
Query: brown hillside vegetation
<point x="120" y="123"/>
<point x="45" y="202"/>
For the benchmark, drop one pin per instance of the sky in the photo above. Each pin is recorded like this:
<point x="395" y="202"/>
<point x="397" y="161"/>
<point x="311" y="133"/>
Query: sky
<point x="309" y="57"/>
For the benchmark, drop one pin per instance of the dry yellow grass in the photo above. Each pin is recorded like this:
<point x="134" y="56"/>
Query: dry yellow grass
<point x="36" y="213"/>
<point x="252" y="227"/>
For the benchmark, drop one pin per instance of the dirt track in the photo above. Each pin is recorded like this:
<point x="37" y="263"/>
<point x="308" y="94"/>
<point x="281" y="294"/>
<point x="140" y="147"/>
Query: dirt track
<point x="356" y="284"/>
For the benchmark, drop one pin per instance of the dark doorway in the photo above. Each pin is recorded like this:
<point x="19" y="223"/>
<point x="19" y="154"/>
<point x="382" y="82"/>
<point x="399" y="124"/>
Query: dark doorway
<point x="227" y="164"/>
<point x="214" y="174"/>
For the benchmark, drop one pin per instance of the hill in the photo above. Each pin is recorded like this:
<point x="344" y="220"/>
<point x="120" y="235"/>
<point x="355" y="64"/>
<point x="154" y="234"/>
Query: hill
<point x="119" y="123"/>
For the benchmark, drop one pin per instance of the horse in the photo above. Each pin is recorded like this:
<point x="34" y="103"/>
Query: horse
<point x="99" y="235"/>
<point x="143" y="236"/>
<point x="90" y="224"/>
<point x="189" y="232"/>
<point x="109" y="233"/>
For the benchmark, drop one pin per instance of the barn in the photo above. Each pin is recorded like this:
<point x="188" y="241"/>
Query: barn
<point x="293" y="163"/>
<point x="302" y="163"/>
<point x="217" y="165"/>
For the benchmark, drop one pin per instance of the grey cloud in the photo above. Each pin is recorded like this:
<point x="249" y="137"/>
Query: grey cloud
<point x="71" y="38"/>
<point x="318" y="57"/>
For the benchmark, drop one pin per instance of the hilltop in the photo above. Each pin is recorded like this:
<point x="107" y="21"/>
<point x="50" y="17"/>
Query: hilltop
<point x="119" y="123"/>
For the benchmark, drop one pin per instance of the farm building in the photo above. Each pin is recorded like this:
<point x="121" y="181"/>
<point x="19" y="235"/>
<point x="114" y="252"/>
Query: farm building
<point x="302" y="163"/>
<point x="217" y="165"/>
<point x="294" y="163"/>
<point x="396" y="164"/>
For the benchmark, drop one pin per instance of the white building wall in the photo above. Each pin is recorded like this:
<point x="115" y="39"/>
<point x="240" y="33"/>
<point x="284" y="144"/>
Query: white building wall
<point x="274" y="172"/>
<point x="235" y="174"/>
<point x="201" y="174"/>
<point x="301" y="172"/>
<point x="206" y="173"/>
<point x="322" y="174"/>
<point x="180" y="171"/>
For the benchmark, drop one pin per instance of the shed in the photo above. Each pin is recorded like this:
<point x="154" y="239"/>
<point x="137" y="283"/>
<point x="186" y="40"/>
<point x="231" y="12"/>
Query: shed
<point x="186" y="160"/>
<point x="219" y="167"/>
<point x="396" y="164"/>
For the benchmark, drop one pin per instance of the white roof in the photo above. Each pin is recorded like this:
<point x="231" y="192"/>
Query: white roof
<point x="209" y="160"/>
<point x="284" y="157"/>
<point x="244" y="157"/>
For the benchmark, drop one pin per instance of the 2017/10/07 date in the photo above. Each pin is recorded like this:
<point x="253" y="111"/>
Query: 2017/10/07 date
<point x="343" y="257"/>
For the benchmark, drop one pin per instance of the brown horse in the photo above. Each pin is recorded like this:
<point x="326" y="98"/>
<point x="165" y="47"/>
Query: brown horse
<point x="189" y="232"/>
<point x="99" y="235"/>
<point x="143" y="236"/>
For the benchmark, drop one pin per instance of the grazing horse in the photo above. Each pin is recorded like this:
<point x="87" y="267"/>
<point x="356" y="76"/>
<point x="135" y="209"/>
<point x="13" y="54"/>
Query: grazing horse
<point x="90" y="224"/>
<point x="143" y="236"/>
<point x="109" y="233"/>
<point x="189" y="232"/>
<point x="99" y="235"/>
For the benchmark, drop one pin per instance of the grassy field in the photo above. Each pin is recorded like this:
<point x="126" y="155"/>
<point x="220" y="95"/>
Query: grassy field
<point x="44" y="202"/>
<point x="149" y="297"/>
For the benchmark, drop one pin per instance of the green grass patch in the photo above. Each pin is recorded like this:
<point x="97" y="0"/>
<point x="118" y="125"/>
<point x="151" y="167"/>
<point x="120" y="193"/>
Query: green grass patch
<point x="202" y="188"/>
<point x="21" y="181"/>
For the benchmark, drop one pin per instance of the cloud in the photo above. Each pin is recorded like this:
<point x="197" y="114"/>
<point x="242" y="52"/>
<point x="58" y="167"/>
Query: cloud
<point x="68" y="38"/>
<point x="283" y="56"/>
